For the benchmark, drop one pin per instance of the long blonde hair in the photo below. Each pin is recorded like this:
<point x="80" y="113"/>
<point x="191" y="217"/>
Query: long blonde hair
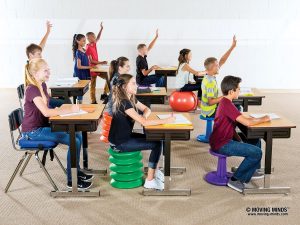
<point x="119" y="92"/>
<point x="31" y="68"/>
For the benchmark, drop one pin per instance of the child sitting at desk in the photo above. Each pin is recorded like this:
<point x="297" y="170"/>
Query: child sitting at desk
<point x="35" y="124"/>
<point x="184" y="80"/>
<point x="221" y="139"/>
<point x="121" y="137"/>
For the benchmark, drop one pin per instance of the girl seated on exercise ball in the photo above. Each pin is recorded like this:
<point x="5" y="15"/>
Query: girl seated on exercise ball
<point x="35" y="124"/>
<point x="125" y="112"/>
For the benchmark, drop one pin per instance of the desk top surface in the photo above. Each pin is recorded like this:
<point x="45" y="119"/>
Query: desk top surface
<point x="80" y="85"/>
<point x="256" y="94"/>
<point x="161" y="92"/>
<point x="153" y="115"/>
<point x="100" y="69"/>
<point x="164" y="68"/>
<point x="282" y="122"/>
<point x="84" y="117"/>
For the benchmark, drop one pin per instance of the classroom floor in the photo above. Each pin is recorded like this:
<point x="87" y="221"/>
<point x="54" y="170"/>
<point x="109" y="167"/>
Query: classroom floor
<point x="28" y="200"/>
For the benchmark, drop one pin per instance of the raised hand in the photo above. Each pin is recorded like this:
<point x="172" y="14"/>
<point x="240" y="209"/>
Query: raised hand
<point x="156" y="33"/>
<point x="233" y="42"/>
<point x="101" y="25"/>
<point x="49" y="26"/>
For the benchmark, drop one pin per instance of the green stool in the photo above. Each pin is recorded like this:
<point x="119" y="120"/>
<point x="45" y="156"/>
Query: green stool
<point x="126" y="169"/>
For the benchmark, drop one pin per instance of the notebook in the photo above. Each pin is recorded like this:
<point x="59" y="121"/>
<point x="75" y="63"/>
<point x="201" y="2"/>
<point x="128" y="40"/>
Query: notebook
<point x="272" y="116"/>
<point x="180" y="119"/>
<point x="81" y="112"/>
<point x="143" y="90"/>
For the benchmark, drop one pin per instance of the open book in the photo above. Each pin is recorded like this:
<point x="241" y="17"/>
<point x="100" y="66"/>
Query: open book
<point x="81" y="112"/>
<point x="180" y="119"/>
<point x="64" y="82"/>
<point x="272" y="116"/>
<point x="246" y="91"/>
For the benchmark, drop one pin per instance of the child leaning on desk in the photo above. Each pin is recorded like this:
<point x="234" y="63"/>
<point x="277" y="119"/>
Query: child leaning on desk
<point x="225" y="140"/>
<point x="35" y="124"/>
<point x="124" y="113"/>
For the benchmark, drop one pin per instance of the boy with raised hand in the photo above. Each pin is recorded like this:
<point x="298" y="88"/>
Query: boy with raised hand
<point x="143" y="76"/>
<point x="225" y="140"/>
<point x="92" y="53"/>
<point x="34" y="51"/>
<point x="209" y="87"/>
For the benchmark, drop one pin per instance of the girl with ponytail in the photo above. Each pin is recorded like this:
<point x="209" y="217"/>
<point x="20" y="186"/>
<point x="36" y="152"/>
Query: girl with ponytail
<point x="81" y="61"/>
<point x="117" y="67"/>
<point x="125" y="109"/>
<point x="35" y="124"/>
<point x="184" y="79"/>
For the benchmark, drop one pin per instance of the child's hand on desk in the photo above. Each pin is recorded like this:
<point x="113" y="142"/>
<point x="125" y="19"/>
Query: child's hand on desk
<point x="103" y="63"/>
<point x="155" y="67"/>
<point x="75" y="108"/>
<point x="266" y="118"/>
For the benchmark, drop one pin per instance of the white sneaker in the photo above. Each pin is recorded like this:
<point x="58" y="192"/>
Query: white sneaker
<point x="153" y="184"/>
<point x="160" y="175"/>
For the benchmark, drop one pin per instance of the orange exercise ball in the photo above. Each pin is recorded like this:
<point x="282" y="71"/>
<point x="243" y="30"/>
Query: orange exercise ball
<point x="183" y="101"/>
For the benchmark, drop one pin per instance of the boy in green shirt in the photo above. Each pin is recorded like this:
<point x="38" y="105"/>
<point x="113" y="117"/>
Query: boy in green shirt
<point x="210" y="98"/>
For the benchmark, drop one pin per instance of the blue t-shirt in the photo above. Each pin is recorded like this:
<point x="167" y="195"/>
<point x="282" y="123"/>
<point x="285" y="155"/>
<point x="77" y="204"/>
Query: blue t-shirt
<point x="82" y="74"/>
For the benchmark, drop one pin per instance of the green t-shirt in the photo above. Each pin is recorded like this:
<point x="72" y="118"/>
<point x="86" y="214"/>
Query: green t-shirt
<point x="209" y="90"/>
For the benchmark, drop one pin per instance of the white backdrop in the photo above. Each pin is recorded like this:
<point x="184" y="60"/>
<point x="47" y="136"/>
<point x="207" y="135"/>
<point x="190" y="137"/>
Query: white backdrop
<point x="268" y="33"/>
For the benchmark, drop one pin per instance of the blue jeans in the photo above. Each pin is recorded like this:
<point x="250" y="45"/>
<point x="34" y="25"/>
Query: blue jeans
<point x="193" y="87"/>
<point x="44" y="133"/>
<point x="138" y="142"/>
<point x="252" y="156"/>
<point x="158" y="80"/>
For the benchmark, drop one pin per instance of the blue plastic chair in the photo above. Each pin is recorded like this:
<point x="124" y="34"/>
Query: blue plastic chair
<point x="29" y="147"/>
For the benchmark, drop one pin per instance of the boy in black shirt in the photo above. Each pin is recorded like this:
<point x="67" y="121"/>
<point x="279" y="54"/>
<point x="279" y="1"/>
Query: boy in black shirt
<point x="143" y="76"/>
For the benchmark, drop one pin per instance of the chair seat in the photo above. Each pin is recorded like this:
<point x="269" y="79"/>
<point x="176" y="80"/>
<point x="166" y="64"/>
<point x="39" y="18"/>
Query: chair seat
<point x="212" y="152"/>
<point x="206" y="118"/>
<point x="30" y="144"/>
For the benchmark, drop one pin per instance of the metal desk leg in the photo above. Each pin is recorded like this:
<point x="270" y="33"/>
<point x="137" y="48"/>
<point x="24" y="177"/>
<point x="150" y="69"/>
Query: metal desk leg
<point x="168" y="190"/>
<point x="267" y="188"/>
<point x="74" y="192"/>
<point x="245" y="105"/>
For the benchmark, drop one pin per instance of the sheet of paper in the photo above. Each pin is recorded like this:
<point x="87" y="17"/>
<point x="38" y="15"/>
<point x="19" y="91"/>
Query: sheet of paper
<point x="81" y="112"/>
<point x="246" y="91"/>
<point x="154" y="89"/>
<point x="180" y="119"/>
<point x="272" y="116"/>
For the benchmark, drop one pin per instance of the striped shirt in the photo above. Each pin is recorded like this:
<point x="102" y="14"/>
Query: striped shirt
<point x="209" y="90"/>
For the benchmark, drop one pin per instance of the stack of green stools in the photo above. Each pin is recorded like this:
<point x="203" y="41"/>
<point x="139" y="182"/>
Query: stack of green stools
<point x="126" y="169"/>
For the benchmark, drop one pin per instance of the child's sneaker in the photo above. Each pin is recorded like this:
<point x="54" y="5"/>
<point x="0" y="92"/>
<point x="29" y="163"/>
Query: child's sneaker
<point x="153" y="184"/>
<point x="81" y="185"/>
<point x="159" y="175"/>
<point x="84" y="177"/>
<point x="257" y="175"/>
<point x="236" y="185"/>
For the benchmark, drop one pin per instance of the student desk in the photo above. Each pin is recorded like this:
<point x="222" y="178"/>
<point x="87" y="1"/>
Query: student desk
<point x="246" y="100"/>
<point x="155" y="97"/>
<point x="78" y="89"/>
<point x="278" y="128"/>
<point x="103" y="73"/>
<point x="166" y="71"/>
<point x="168" y="133"/>
<point x="72" y="124"/>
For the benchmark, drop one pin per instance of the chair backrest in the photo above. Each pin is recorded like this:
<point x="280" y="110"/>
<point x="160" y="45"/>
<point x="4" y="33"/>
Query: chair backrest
<point x="15" y="119"/>
<point x="20" y="90"/>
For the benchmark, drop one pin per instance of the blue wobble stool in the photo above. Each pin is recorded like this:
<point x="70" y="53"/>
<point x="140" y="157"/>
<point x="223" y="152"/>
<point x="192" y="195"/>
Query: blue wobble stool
<point x="209" y="126"/>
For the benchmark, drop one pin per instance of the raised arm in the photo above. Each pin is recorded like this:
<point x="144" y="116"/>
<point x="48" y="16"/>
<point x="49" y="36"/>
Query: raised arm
<point x="153" y="41"/>
<point x="100" y="32"/>
<point x="44" y="40"/>
<point x="227" y="54"/>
